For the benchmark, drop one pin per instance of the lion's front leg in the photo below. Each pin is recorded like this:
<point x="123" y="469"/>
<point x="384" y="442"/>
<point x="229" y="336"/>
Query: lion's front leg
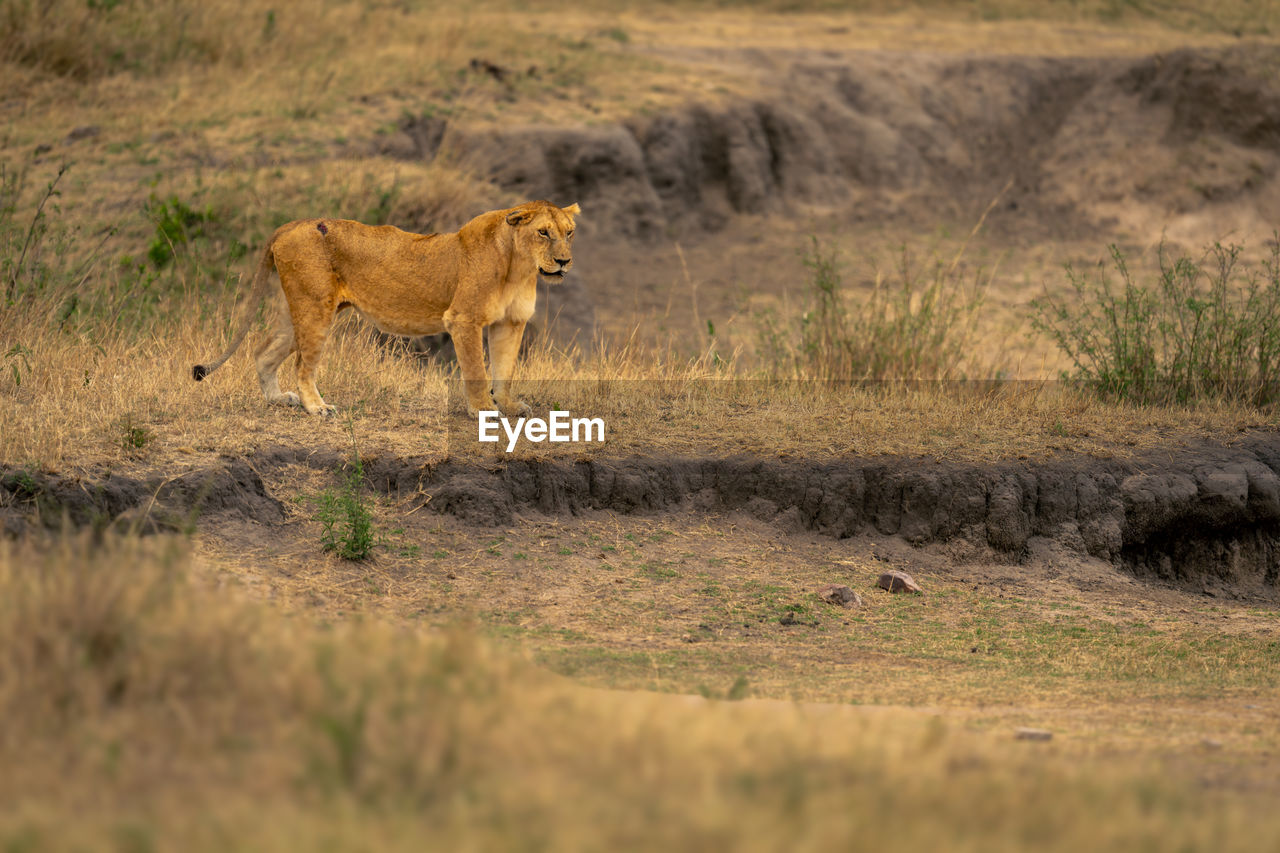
<point x="468" y="343"/>
<point x="504" y="346"/>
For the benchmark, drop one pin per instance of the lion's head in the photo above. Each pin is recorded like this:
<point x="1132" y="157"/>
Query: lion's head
<point x="545" y="232"/>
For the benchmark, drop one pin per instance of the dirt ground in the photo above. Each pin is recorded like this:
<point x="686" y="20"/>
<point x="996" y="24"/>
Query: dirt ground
<point x="724" y="604"/>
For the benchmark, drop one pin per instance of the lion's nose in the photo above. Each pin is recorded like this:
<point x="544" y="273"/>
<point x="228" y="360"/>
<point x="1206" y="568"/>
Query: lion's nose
<point x="563" y="262"/>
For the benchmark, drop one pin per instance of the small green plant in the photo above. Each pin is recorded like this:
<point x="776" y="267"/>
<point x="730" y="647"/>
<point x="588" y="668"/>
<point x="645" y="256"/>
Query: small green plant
<point x="23" y="485"/>
<point x="1206" y="328"/>
<point x="133" y="435"/>
<point x="346" y="522"/>
<point x="342" y="723"/>
<point x="177" y="224"/>
<point x="382" y="204"/>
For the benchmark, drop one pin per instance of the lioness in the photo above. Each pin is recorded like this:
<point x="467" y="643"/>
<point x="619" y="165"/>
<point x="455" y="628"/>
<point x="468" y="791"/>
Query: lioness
<point x="482" y="275"/>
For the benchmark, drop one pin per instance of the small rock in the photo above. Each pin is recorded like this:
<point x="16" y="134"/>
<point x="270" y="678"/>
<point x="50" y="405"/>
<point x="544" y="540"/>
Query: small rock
<point x="787" y="618"/>
<point x="43" y="148"/>
<point x="840" y="595"/>
<point x="1211" y="743"/>
<point x="484" y="66"/>
<point x="898" y="582"/>
<point x="1032" y="734"/>
<point x="84" y="131"/>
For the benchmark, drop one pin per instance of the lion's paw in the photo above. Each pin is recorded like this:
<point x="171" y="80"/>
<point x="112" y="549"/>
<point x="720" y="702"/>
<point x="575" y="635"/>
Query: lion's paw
<point x="510" y="407"/>
<point x="288" y="398"/>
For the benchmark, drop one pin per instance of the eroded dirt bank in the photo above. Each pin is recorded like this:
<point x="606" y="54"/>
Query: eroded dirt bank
<point x="723" y="188"/>
<point x="1207" y="518"/>
<point x="1142" y="144"/>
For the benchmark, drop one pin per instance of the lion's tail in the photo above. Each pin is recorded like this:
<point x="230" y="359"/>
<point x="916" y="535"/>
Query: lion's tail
<point x="261" y="279"/>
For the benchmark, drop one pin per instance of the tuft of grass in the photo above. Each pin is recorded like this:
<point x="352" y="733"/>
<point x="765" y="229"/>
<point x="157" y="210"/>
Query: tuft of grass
<point x="29" y="258"/>
<point x="18" y="360"/>
<point x="914" y="324"/>
<point x="1206" y="328"/>
<point x="114" y="655"/>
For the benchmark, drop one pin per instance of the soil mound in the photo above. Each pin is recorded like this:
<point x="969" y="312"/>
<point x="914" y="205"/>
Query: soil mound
<point x="145" y="505"/>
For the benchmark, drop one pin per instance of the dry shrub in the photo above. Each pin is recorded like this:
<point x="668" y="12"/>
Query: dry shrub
<point x="915" y="324"/>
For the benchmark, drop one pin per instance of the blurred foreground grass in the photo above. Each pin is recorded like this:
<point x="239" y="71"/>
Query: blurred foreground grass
<point x="147" y="707"/>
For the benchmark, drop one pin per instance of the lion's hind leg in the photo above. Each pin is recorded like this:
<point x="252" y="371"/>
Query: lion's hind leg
<point x="310" y="335"/>
<point x="271" y="354"/>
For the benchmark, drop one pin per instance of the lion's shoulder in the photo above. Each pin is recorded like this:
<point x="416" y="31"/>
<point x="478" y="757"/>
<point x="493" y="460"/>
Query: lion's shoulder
<point x="483" y="232"/>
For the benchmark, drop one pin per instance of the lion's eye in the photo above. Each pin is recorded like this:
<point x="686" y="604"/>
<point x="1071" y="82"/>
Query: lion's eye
<point x="542" y="232"/>
<point x="569" y="234"/>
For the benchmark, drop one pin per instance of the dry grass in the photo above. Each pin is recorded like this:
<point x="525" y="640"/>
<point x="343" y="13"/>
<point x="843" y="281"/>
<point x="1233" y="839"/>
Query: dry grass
<point x="84" y="366"/>
<point x="124" y="673"/>
<point x="70" y="396"/>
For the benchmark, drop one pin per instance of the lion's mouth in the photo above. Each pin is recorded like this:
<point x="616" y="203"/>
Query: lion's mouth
<point x="557" y="275"/>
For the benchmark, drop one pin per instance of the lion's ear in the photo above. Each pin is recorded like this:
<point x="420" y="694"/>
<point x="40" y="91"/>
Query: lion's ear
<point x="519" y="217"/>
<point x="573" y="208"/>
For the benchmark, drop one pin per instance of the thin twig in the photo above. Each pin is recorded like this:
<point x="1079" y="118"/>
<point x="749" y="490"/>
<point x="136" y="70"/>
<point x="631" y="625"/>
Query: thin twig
<point x="31" y="230"/>
<point x="978" y="226"/>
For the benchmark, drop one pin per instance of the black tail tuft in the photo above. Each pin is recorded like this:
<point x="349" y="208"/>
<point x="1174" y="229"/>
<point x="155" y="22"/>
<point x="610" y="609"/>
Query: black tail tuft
<point x="199" y="372"/>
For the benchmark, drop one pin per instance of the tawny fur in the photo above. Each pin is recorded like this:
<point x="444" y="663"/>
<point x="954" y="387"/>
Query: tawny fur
<point x="483" y="275"/>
